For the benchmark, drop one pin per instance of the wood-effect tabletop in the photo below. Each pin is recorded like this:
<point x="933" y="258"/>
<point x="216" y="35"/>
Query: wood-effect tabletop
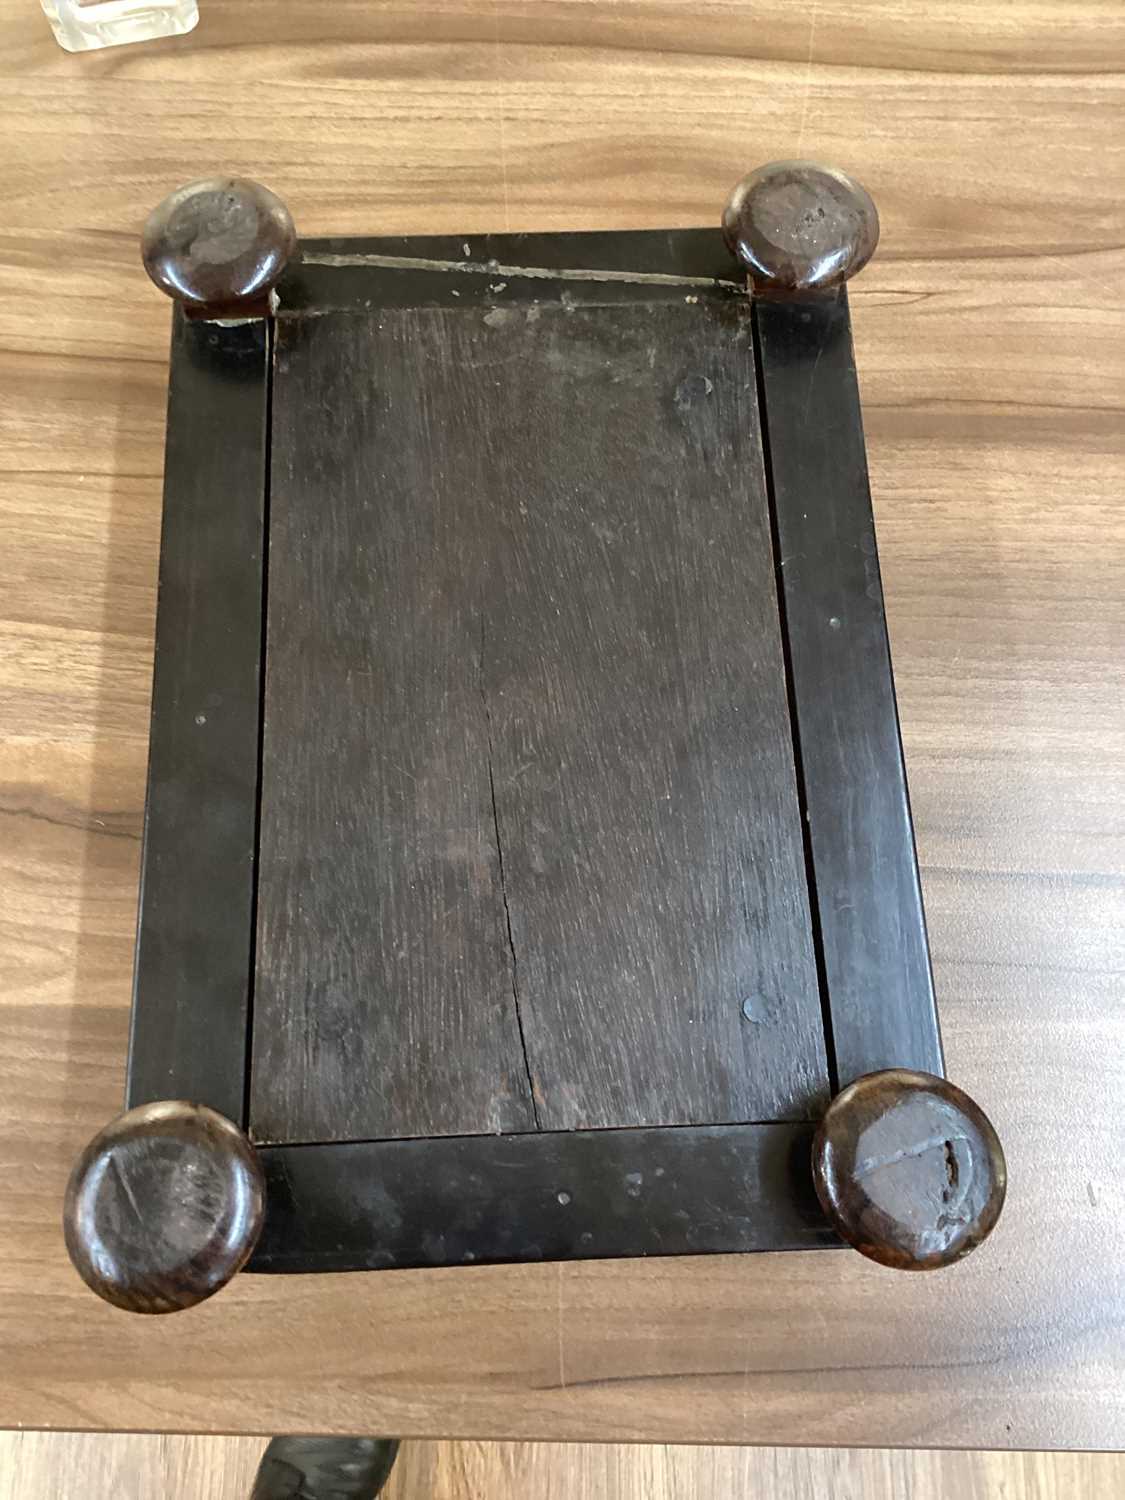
<point x="989" y="331"/>
<point x="119" y="1466"/>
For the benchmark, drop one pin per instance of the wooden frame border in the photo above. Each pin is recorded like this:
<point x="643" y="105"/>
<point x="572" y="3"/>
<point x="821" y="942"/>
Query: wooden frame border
<point x="742" y="1187"/>
<point x="191" y="982"/>
<point x="862" y="865"/>
<point x="560" y="1195"/>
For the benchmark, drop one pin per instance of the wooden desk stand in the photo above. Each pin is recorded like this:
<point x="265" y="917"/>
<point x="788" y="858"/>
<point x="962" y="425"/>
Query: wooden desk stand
<point x="528" y="858"/>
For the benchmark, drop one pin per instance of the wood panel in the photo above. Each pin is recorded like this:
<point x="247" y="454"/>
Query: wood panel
<point x="646" y="794"/>
<point x="113" y="1466"/>
<point x="545" y="712"/>
<point x="384" y="1000"/>
<point x="989" y="342"/>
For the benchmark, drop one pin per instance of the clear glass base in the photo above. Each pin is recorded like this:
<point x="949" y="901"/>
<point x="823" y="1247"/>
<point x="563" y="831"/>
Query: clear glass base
<point x="81" y="25"/>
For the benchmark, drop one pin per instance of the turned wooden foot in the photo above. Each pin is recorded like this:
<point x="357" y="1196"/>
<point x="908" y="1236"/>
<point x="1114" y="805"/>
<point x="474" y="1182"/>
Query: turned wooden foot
<point x="909" y="1170"/>
<point x="219" y="246"/>
<point x="324" y="1468"/>
<point x="163" y="1207"/>
<point x="799" y="227"/>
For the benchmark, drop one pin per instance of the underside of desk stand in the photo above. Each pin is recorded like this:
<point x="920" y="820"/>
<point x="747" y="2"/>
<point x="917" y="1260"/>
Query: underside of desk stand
<point x="588" y="1143"/>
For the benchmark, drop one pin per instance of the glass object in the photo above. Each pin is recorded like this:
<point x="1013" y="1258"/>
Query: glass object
<point x="81" y="25"/>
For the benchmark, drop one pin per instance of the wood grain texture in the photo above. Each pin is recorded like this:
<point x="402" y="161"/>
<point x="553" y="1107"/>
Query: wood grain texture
<point x="385" y="1002"/>
<point x="505" y="1471"/>
<point x="989" y="339"/>
<point x="542" y="709"/>
<point x="115" y="1466"/>
<point x="642" y="754"/>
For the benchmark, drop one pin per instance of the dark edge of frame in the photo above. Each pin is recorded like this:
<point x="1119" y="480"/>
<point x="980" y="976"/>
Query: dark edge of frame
<point x="192" y="976"/>
<point x="864" y="882"/>
<point x="581" y="1195"/>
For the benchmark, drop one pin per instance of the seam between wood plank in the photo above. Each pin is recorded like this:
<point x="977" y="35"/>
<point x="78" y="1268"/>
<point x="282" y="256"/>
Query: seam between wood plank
<point x="791" y="699"/>
<point x="504" y="882"/>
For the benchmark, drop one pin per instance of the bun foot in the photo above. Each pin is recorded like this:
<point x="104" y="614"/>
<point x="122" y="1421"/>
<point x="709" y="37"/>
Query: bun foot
<point x="799" y="227"/>
<point x="163" y="1207"/>
<point x="219" y="246"/>
<point x="909" y="1170"/>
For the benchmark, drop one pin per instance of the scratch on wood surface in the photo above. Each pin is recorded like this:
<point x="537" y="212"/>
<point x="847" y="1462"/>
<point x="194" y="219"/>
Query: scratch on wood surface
<point x="504" y="881"/>
<point x="808" y="81"/>
<point x="127" y="1189"/>
<point x="811" y="383"/>
<point x="559" y="1325"/>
